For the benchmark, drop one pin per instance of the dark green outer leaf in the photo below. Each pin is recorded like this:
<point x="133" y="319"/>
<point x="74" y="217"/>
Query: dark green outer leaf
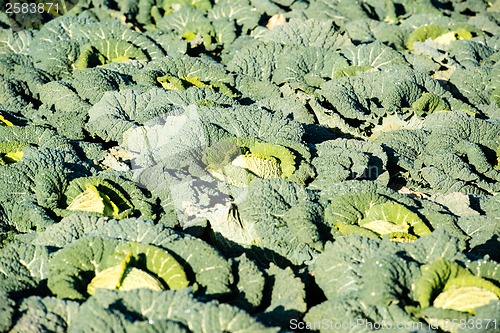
<point x="22" y="266"/>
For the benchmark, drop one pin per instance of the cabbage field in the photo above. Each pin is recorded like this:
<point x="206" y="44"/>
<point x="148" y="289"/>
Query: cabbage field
<point x="250" y="166"/>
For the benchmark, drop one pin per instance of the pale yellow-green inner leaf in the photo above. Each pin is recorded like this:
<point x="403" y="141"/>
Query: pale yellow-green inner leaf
<point x="120" y="58"/>
<point x="189" y="36"/>
<point x="195" y="81"/>
<point x="158" y="261"/>
<point x="467" y="280"/>
<point x="170" y="82"/>
<point x="12" y="157"/>
<point x="391" y="217"/>
<point x="383" y="227"/>
<point x="168" y="269"/>
<point x="464" y="299"/>
<point x="110" y="208"/>
<point x="123" y="268"/>
<point x="115" y="278"/>
<point x="92" y="200"/>
<point x="89" y="200"/>
<point x="446" y="38"/>
<point x="347" y="229"/>
<point x="263" y="167"/>
<point x="284" y="158"/>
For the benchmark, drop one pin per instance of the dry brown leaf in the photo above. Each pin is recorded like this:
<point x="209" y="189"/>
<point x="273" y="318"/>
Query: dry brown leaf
<point x="276" y="20"/>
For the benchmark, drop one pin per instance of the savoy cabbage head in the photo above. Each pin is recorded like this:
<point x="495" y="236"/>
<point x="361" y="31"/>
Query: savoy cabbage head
<point x="403" y="283"/>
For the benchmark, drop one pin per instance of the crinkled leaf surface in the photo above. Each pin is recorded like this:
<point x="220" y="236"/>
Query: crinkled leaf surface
<point x="22" y="266"/>
<point x="178" y="306"/>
